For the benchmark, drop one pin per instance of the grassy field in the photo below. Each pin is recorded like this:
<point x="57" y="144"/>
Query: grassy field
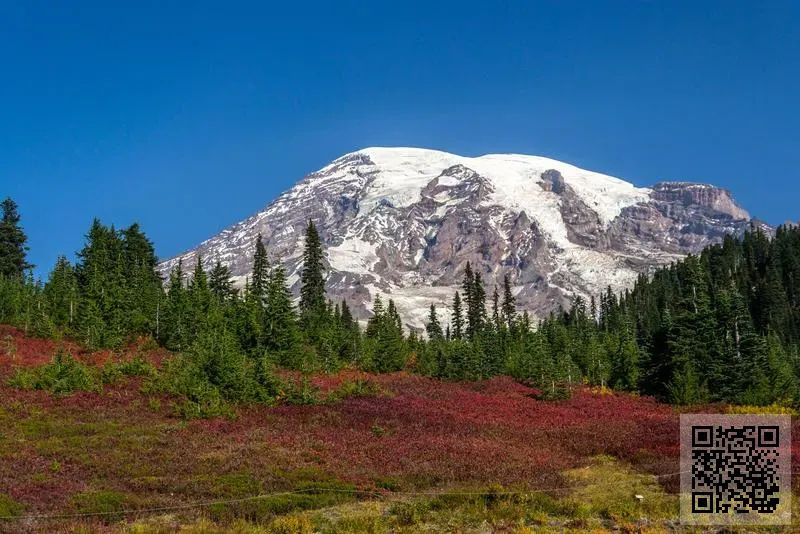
<point x="406" y="454"/>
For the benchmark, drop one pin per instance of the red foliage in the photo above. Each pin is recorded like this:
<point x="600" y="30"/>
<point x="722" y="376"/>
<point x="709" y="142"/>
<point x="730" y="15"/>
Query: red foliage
<point x="19" y="350"/>
<point x="422" y="433"/>
<point x="446" y="433"/>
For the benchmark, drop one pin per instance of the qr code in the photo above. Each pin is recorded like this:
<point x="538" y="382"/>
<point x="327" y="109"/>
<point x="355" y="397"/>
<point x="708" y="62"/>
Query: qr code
<point x="735" y="469"/>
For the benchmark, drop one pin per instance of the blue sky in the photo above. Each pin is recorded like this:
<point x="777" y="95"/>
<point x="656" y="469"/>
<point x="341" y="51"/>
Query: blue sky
<point x="188" y="117"/>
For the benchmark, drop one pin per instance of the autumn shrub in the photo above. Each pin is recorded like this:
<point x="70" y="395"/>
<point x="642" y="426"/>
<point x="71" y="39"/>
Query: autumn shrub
<point x="601" y="391"/>
<point x="62" y="375"/>
<point x="556" y="392"/>
<point x="303" y="393"/>
<point x="771" y="409"/>
<point x="148" y="344"/>
<point x="212" y="374"/>
<point x="354" y="388"/>
<point x="136" y="366"/>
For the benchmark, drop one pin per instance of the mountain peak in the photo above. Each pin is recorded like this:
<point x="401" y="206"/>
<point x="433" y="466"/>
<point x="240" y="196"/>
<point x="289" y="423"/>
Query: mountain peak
<point x="403" y="222"/>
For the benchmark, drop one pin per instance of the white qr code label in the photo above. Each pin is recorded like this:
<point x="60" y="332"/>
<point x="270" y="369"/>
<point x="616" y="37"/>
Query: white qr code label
<point x="735" y="469"/>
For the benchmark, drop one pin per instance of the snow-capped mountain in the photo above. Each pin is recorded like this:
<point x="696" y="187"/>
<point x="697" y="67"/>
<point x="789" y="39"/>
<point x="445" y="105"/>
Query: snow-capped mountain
<point x="403" y="222"/>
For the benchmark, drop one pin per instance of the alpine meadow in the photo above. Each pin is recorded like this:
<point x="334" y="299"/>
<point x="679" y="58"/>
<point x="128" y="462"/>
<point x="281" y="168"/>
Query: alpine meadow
<point x="140" y="404"/>
<point x="400" y="267"/>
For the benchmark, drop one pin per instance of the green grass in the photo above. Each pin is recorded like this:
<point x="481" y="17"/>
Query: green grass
<point x="107" y="505"/>
<point x="609" y="488"/>
<point x="9" y="507"/>
<point x="310" y="496"/>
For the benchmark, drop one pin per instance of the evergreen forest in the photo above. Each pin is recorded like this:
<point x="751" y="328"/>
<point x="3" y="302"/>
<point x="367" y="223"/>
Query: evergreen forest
<point x="721" y="326"/>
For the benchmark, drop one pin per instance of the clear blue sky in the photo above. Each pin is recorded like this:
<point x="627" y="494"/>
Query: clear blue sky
<point x="188" y="117"/>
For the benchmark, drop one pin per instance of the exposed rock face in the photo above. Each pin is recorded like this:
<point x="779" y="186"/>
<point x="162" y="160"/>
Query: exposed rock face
<point x="404" y="222"/>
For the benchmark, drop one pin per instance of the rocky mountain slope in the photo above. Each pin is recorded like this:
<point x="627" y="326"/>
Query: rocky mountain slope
<point x="403" y="222"/>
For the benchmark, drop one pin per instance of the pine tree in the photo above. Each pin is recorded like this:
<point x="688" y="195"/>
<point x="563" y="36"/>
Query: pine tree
<point x="175" y="333"/>
<point x="475" y="297"/>
<point x="509" y="305"/>
<point x="349" y="347"/>
<point x="347" y="316"/>
<point x="313" y="308"/>
<point x="143" y="286"/>
<point x="260" y="276"/>
<point x="497" y="323"/>
<point x="61" y="293"/>
<point x="479" y="302"/>
<point x="468" y="288"/>
<point x="458" y="318"/>
<point x="384" y="338"/>
<point x="280" y="334"/>
<point x="220" y="283"/>
<point x="200" y="299"/>
<point x="13" y="248"/>
<point x="102" y="287"/>
<point x="625" y="360"/>
<point x="433" y="328"/>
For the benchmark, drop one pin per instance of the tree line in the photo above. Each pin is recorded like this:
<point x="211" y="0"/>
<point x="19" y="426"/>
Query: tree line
<point x="720" y="326"/>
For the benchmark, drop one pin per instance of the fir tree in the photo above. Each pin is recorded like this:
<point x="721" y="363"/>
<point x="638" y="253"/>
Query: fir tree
<point x="385" y="338"/>
<point x="143" y="285"/>
<point x="260" y="275"/>
<point x="476" y="302"/>
<point x="468" y="288"/>
<point x="349" y="345"/>
<point x="497" y="323"/>
<point x="175" y="333"/>
<point x="102" y="286"/>
<point x="13" y="248"/>
<point x="61" y="293"/>
<point x="200" y="298"/>
<point x="220" y="283"/>
<point x="313" y="309"/>
<point x="509" y="304"/>
<point x="433" y="328"/>
<point x="280" y="322"/>
<point x="458" y="318"/>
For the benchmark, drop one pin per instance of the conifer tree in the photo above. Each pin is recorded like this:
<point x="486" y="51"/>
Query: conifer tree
<point x="433" y="328"/>
<point x="260" y="276"/>
<point x="458" y="318"/>
<point x="475" y="297"/>
<point x="61" y="293"/>
<point x="102" y="286"/>
<point x="497" y="323"/>
<point x="313" y="308"/>
<point x="176" y="329"/>
<point x="220" y="283"/>
<point x="386" y="338"/>
<point x="280" y="333"/>
<point x="13" y="248"/>
<point x="476" y="305"/>
<point x="468" y="288"/>
<point x="350" y="337"/>
<point x="625" y="360"/>
<point x="143" y="286"/>
<point x="509" y="305"/>
<point x="200" y="299"/>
